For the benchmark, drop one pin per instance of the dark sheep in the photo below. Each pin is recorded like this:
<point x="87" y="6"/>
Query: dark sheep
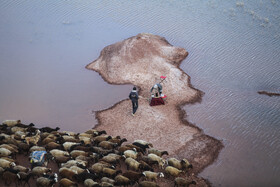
<point x="85" y="175"/>
<point x="10" y="177"/>
<point x="143" y="147"/>
<point x="67" y="183"/>
<point x="122" y="180"/>
<point x="179" y="181"/>
<point x="133" y="176"/>
<point x="24" y="178"/>
<point x="48" y="129"/>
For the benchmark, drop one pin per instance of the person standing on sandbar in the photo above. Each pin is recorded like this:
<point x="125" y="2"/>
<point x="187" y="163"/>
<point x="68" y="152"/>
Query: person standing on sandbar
<point x="133" y="96"/>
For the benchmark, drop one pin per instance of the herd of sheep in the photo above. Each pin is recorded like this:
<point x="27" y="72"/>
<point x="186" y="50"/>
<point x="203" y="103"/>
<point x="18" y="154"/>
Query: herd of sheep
<point x="86" y="159"/>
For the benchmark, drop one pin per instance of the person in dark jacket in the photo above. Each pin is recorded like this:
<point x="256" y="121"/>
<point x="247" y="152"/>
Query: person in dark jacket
<point x="133" y="96"/>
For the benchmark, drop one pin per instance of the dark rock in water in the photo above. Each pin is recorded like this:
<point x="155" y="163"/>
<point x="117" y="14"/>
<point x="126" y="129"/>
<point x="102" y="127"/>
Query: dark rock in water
<point x="270" y="94"/>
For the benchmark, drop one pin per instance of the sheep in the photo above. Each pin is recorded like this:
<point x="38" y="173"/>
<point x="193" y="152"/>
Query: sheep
<point x="39" y="171"/>
<point x="80" y="147"/>
<point x="99" y="139"/>
<point x="70" y="163"/>
<point x="85" y="175"/>
<point x="67" y="145"/>
<point x="90" y="183"/>
<point x="179" y="181"/>
<point x="76" y="153"/>
<point x="67" y="183"/>
<point x="23" y="148"/>
<point x="57" y="152"/>
<point x="157" y="152"/>
<point x="5" y="152"/>
<point x="53" y="145"/>
<point x="48" y="129"/>
<point x="152" y="175"/>
<point x="15" y="129"/>
<point x="67" y="138"/>
<point x="45" y="182"/>
<point x="61" y="159"/>
<point x="24" y="177"/>
<point x="106" y="184"/>
<point x="138" y="149"/>
<point x="95" y="132"/>
<point x="118" y="140"/>
<point x="106" y="179"/>
<point x="148" y="184"/>
<point x="21" y="168"/>
<point x="11" y="123"/>
<point x="98" y="167"/>
<point x="154" y="157"/>
<point x="11" y="147"/>
<point x="10" y="177"/>
<point x="170" y="170"/>
<point x="110" y="172"/>
<point x="48" y="140"/>
<point x="145" y="166"/>
<point x="110" y="159"/>
<point x="67" y="173"/>
<point x="18" y="135"/>
<point x="36" y="148"/>
<point x="1" y="171"/>
<point x="142" y="143"/>
<point x="8" y="159"/>
<point x="33" y="139"/>
<point x="77" y="169"/>
<point x="86" y="140"/>
<point x="131" y="153"/>
<point x="122" y="180"/>
<point x="132" y="164"/>
<point x="102" y="151"/>
<point x="182" y="165"/>
<point x="133" y="176"/>
<point x="107" y="145"/>
<point x="6" y="164"/>
<point x="122" y="149"/>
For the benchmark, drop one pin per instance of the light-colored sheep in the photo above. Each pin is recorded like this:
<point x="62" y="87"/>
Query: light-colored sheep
<point x="154" y="157"/>
<point x="67" y="145"/>
<point x="11" y="123"/>
<point x="131" y="153"/>
<point x="33" y="139"/>
<point x="90" y="183"/>
<point x="4" y="152"/>
<point x="45" y="182"/>
<point x="182" y="165"/>
<point x="157" y="152"/>
<point x="106" y="179"/>
<point x="70" y="163"/>
<point x="77" y="169"/>
<point x="6" y="164"/>
<point x="40" y="171"/>
<point x="132" y="164"/>
<point x="57" y="152"/>
<point x="170" y="170"/>
<point x="76" y="153"/>
<point x="36" y="148"/>
<point x="152" y="175"/>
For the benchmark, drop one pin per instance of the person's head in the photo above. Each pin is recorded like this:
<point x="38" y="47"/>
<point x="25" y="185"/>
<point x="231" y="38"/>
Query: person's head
<point x="134" y="88"/>
<point x="156" y="86"/>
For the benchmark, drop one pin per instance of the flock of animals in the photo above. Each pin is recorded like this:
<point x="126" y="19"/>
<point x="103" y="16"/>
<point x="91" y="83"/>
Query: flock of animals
<point x="89" y="159"/>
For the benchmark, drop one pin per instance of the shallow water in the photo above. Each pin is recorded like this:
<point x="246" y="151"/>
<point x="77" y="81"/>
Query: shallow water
<point x="234" y="51"/>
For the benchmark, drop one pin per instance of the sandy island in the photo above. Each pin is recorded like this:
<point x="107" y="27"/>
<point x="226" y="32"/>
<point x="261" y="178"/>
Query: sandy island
<point x="140" y="61"/>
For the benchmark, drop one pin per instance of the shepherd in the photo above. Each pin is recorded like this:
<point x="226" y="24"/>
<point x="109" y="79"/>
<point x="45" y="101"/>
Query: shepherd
<point x="133" y="96"/>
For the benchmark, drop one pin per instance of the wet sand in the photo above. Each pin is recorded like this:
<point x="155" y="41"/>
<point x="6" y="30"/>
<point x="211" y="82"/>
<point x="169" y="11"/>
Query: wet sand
<point x="140" y="61"/>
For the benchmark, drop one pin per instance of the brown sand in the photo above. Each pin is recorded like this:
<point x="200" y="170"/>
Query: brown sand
<point x="141" y="60"/>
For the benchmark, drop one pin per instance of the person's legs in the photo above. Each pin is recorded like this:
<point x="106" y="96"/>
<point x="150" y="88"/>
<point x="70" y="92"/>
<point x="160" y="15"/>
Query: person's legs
<point x="135" y="106"/>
